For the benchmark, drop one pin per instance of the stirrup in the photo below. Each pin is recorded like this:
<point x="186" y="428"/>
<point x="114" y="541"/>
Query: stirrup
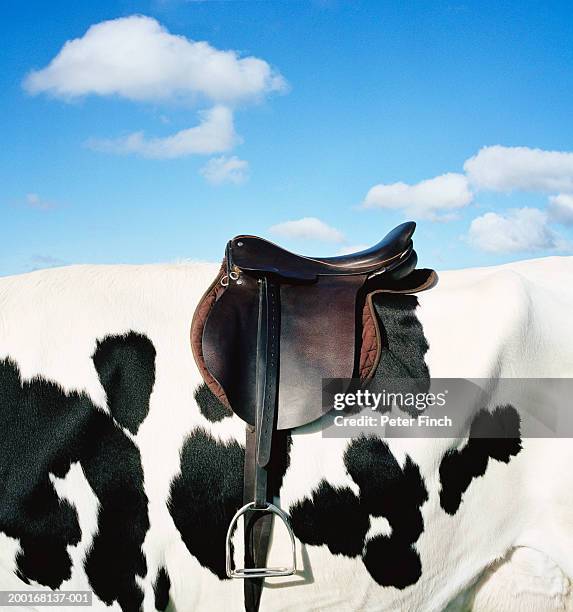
<point x="258" y="572"/>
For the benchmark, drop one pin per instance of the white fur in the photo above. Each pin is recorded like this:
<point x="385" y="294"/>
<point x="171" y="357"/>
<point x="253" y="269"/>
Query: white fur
<point x="510" y="545"/>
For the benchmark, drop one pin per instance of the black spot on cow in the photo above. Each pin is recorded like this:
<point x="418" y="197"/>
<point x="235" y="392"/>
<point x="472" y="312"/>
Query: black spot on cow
<point x="209" y="490"/>
<point x="402" y="366"/>
<point x="340" y="519"/>
<point x="331" y="516"/>
<point x="43" y="430"/>
<point x="206" y="495"/>
<point x="397" y="493"/>
<point x="126" y="368"/>
<point x="161" y="588"/>
<point x="392" y="562"/>
<point x="38" y="426"/>
<point x="387" y="489"/>
<point x="116" y="553"/>
<point x="404" y="343"/>
<point x="279" y="462"/>
<point x="209" y="404"/>
<point x="493" y="435"/>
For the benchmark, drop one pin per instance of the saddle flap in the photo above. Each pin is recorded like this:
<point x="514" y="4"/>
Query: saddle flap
<point x="318" y="340"/>
<point x="229" y="345"/>
<point x="200" y="316"/>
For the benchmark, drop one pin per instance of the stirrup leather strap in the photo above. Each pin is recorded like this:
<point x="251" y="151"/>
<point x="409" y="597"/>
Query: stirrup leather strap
<point x="258" y="511"/>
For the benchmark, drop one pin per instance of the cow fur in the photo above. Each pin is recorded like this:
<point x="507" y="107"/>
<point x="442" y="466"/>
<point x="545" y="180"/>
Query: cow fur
<point x="505" y="545"/>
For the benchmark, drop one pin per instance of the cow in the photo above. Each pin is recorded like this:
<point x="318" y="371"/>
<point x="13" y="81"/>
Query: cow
<point x="120" y="471"/>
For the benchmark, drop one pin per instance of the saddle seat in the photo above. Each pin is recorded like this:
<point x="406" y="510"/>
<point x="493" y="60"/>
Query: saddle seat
<point x="257" y="255"/>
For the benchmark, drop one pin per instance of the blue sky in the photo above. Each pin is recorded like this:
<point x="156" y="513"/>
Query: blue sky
<point x="354" y="117"/>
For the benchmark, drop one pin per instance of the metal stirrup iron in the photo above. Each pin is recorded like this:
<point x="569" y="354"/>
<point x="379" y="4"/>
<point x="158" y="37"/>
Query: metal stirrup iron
<point x="259" y="572"/>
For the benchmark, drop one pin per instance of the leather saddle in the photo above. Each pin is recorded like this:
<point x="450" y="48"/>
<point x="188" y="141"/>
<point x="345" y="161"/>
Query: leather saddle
<point x="269" y="329"/>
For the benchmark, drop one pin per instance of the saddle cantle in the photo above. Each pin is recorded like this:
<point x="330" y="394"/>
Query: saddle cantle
<point x="269" y="329"/>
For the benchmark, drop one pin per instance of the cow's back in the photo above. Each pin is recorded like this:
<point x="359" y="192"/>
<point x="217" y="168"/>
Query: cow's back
<point x="119" y="335"/>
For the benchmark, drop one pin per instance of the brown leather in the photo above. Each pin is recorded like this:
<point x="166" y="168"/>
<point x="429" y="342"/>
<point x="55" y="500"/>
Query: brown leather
<point x="371" y="347"/>
<point x="256" y="255"/>
<point x="229" y="345"/>
<point x="371" y="343"/>
<point x="200" y="315"/>
<point x="340" y="340"/>
<point x="316" y="319"/>
<point x="318" y="336"/>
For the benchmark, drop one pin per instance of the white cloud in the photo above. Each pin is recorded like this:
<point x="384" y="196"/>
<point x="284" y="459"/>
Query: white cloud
<point x="308" y="228"/>
<point x="519" y="230"/>
<point x="425" y="199"/>
<point x="225" y="170"/>
<point x="138" y="59"/>
<point x="352" y="248"/>
<point x="499" y="168"/>
<point x="561" y="209"/>
<point x="215" y="134"/>
<point x="33" y="200"/>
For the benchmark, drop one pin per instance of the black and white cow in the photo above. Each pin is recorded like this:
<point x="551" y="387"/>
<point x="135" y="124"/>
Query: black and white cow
<point x="119" y="471"/>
